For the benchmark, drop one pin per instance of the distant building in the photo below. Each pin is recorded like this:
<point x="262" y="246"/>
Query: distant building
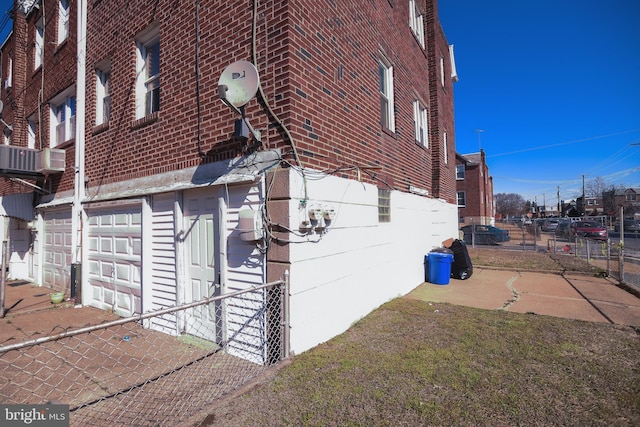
<point x="626" y="198"/>
<point x="474" y="188"/>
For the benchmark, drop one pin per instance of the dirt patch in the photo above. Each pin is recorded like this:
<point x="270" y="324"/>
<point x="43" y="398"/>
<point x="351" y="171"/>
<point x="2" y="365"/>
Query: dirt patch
<point x="531" y="261"/>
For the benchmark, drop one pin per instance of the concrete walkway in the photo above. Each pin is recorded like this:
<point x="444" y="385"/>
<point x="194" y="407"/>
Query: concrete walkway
<point x="571" y="296"/>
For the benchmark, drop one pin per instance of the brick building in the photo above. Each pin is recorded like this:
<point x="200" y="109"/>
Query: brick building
<point x="344" y="162"/>
<point x="474" y="189"/>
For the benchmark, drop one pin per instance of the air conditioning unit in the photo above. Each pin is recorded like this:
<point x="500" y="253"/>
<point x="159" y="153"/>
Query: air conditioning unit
<point x="50" y="160"/>
<point x="17" y="160"/>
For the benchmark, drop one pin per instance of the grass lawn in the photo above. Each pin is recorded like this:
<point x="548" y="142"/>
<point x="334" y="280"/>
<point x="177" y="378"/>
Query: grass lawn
<point x="415" y="363"/>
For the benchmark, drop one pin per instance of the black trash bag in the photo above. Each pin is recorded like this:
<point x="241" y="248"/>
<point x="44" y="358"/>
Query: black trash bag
<point x="461" y="268"/>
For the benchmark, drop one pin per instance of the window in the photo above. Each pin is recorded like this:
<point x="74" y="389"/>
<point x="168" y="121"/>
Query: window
<point x="8" y="81"/>
<point x="386" y="96"/>
<point x="420" y="121"/>
<point x="415" y="21"/>
<point x="31" y="131"/>
<point x="63" y="117"/>
<point x="445" y="147"/>
<point x="631" y="197"/>
<point x="103" y="106"/>
<point x="148" y="73"/>
<point x="38" y="49"/>
<point x="63" y="20"/>
<point x="460" y="172"/>
<point x="462" y="199"/>
<point x="442" y="71"/>
<point x="384" y="205"/>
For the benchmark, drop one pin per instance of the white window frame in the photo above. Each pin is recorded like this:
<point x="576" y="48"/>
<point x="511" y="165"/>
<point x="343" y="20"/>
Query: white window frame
<point x="8" y="81"/>
<point x="147" y="84"/>
<point x="62" y="118"/>
<point x="461" y="195"/>
<point x="416" y="21"/>
<point x="420" y="123"/>
<point x="460" y="172"/>
<point x="32" y="126"/>
<point x="64" y="12"/>
<point x="38" y="47"/>
<point x="103" y="99"/>
<point x="442" y="81"/>
<point x="387" y="115"/>
<point x="445" y="147"/>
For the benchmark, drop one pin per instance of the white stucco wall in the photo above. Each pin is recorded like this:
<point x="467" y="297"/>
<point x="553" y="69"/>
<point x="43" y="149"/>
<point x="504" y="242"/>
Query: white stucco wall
<point x="359" y="263"/>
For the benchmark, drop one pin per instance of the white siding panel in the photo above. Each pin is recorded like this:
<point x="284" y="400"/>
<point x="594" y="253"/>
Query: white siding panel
<point x="163" y="263"/>
<point x="246" y="317"/>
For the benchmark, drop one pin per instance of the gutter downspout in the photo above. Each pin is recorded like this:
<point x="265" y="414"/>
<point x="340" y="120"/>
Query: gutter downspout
<point x="77" y="211"/>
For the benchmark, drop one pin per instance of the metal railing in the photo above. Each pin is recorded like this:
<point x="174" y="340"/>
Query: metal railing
<point x="128" y="372"/>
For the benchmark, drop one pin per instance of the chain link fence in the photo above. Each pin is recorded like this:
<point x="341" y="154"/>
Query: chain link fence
<point x="620" y="262"/>
<point x="132" y="372"/>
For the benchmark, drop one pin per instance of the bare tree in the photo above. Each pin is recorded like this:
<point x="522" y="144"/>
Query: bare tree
<point x="595" y="187"/>
<point x="509" y="204"/>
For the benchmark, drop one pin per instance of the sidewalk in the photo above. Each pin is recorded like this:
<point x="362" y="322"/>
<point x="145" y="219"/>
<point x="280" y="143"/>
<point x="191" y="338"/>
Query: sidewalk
<point x="572" y="296"/>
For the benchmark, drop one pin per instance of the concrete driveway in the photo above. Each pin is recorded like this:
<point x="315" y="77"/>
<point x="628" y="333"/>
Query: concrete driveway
<point x="572" y="296"/>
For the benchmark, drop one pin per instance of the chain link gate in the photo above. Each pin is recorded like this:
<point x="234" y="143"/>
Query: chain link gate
<point x="126" y="373"/>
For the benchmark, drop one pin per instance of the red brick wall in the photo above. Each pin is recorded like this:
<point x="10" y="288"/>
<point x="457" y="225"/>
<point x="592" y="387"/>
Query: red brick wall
<point x="478" y="188"/>
<point x="318" y="65"/>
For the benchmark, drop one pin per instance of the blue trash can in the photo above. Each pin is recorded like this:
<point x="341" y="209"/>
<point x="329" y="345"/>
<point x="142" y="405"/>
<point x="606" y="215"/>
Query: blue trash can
<point x="439" y="270"/>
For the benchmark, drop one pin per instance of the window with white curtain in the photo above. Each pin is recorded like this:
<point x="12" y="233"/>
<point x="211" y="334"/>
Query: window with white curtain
<point x="148" y="72"/>
<point x="416" y="21"/>
<point x="103" y="100"/>
<point x="64" y="9"/>
<point x="420" y="123"/>
<point x="386" y="96"/>
<point x="38" y="48"/>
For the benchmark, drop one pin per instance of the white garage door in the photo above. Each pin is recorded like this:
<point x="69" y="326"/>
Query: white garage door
<point x="114" y="259"/>
<point x="56" y="266"/>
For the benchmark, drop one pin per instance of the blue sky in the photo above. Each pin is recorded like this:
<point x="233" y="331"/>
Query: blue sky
<point x="5" y="24"/>
<point x="555" y="87"/>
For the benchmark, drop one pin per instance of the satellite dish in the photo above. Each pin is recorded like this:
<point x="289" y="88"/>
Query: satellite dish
<point x="238" y="83"/>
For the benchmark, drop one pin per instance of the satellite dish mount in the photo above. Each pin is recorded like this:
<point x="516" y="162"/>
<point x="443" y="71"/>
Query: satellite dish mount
<point x="237" y="85"/>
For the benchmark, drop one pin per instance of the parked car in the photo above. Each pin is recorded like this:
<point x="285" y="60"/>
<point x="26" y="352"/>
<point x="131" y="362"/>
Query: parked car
<point x="562" y="230"/>
<point x="550" y="224"/>
<point x="590" y="229"/>
<point x="484" y="234"/>
<point x="630" y="226"/>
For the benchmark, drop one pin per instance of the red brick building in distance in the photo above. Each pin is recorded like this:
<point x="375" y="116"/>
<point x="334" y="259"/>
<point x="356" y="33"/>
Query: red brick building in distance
<point x="474" y="189"/>
<point x="141" y="180"/>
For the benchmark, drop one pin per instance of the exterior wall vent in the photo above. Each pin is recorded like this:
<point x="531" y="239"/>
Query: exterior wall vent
<point x="50" y="160"/>
<point x="17" y="160"/>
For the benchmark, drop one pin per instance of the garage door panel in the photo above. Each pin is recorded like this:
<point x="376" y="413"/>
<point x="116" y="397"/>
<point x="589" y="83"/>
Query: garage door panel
<point x="56" y="267"/>
<point x="115" y="258"/>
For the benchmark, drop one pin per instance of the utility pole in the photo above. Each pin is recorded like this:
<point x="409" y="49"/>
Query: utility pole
<point x="559" y="207"/>
<point x="583" y="201"/>
<point x="479" y="139"/>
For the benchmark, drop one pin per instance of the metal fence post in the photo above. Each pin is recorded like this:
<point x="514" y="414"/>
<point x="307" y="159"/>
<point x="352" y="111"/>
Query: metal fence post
<point x="286" y="316"/>
<point x="3" y="281"/>
<point x="608" y="257"/>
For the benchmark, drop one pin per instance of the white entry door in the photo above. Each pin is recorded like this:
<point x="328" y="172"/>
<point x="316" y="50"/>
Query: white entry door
<point x="200" y="219"/>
